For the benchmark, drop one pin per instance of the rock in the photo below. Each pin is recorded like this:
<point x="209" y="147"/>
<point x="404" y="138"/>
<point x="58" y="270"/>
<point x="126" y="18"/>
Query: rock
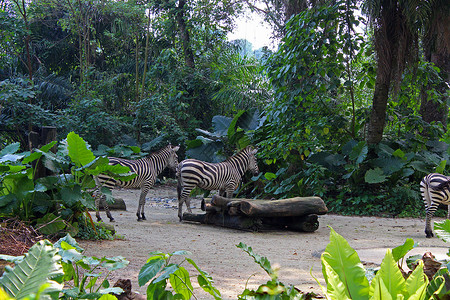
<point x="125" y="285"/>
<point x="119" y="204"/>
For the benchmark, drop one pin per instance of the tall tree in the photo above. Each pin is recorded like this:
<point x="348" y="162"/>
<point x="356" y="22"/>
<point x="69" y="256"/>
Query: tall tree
<point x="184" y="34"/>
<point x="393" y="40"/>
<point x="436" y="43"/>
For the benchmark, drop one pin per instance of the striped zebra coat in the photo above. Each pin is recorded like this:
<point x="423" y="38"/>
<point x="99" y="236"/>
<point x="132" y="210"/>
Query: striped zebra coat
<point x="225" y="176"/>
<point x="147" y="169"/>
<point x="435" y="190"/>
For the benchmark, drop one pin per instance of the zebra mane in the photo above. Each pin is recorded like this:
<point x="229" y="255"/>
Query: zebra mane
<point x="157" y="152"/>
<point x="245" y="150"/>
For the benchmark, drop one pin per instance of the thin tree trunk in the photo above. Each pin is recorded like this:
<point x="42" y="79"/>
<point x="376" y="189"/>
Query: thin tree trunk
<point x="147" y="38"/>
<point x="137" y="68"/>
<point x="184" y="35"/>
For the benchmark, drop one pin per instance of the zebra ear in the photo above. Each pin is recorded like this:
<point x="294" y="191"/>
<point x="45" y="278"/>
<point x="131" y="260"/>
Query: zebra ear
<point x="254" y="151"/>
<point x="176" y="148"/>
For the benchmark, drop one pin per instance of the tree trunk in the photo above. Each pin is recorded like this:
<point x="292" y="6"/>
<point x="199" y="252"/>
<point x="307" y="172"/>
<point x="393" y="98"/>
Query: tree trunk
<point x="378" y="113"/>
<point x="437" y="51"/>
<point x="184" y="35"/>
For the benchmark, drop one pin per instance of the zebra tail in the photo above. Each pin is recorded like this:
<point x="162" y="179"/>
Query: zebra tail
<point x="425" y="187"/>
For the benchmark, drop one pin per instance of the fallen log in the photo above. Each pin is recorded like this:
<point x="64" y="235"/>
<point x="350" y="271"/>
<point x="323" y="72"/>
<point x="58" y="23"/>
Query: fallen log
<point x="291" y="207"/>
<point x="208" y="207"/>
<point x="225" y="220"/>
<point x="307" y="223"/>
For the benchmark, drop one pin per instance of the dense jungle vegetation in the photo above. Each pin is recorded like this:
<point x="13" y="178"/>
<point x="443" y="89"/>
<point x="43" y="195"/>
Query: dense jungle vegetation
<point x="351" y="106"/>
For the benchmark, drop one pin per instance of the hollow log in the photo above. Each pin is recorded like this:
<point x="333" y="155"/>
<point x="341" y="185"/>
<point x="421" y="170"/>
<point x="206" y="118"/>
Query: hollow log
<point x="291" y="207"/>
<point x="225" y="220"/>
<point x="306" y="223"/>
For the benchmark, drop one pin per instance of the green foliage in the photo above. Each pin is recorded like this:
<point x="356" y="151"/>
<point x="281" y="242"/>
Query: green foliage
<point x="345" y="275"/>
<point x="83" y="275"/>
<point x="273" y="289"/>
<point x="160" y="271"/>
<point x="55" y="203"/>
<point x="60" y="270"/>
<point x="35" y="273"/>
<point x="229" y="134"/>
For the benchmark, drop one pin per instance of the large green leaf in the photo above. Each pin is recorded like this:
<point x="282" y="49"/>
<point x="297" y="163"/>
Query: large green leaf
<point x="150" y="269"/>
<point x="390" y="275"/>
<point x="78" y="150"/>
<point x="181" y="283"/>
<point x="207" y="152"/>
<point x="10" y="149"/>
<point x="221" y="125"/>
<point x="416" y="283"/>
<point x="336" y="289"/>
<point x="380" y="290"/>
<point x="400" y="251"/>
<point x="442" y="230"/>
<point x="346" y="263"/>
<point x="375" y="176"/>
<point x="40" y="266"/>
<point x="359" y="152"/>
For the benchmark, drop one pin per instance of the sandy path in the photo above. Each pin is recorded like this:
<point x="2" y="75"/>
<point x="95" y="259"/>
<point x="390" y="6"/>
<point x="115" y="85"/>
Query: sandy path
<point x="214" y="248"/>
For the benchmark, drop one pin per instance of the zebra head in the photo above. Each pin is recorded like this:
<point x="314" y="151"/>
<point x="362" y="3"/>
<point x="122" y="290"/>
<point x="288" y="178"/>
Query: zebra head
<point x="173" y="157"/>
<point x="252" y="163"/>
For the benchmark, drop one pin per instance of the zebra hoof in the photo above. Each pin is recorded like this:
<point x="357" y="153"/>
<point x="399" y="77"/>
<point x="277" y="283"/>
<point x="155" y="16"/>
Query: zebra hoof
<point x="112" y="220"/>
<point x="143" y="217"/>
<point x="139" y="219"/>
<point x="429" y="234"/>
<point x="99" y="220"/>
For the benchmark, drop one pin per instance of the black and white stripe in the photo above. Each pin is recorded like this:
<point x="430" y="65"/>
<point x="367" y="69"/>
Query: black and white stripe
<point x="435" y="190"/>
<point x="147" y="169"/>
<point x="225" y="176"/>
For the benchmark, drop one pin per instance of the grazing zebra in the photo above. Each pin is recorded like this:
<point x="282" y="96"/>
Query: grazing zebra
<point x="435" y="189"/>
<point x="146" y="168"/>
<point x="224" y="176"/>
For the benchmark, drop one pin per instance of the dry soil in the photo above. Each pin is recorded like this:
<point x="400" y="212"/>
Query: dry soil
<point x="296" y="254"/>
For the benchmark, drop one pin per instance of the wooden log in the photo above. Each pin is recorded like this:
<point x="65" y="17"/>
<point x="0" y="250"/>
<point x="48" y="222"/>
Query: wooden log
<point x="119" y="204"/>
<point x="306" y="223"/>
<point x="208" y="207"/>
<point x="291" y="207"/>
<point x="225" y="203"/>
<point x="225" y="220"/>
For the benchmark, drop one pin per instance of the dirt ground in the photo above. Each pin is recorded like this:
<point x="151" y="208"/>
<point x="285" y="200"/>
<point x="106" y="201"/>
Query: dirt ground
<point x="296" y="254"/>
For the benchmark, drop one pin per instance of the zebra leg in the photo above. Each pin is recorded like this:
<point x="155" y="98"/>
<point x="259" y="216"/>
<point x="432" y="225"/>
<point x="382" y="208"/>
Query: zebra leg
<point x="188" y="204"/>
<point x="428" y="228"/>
<point x="108" y="213"/>
<point x="97" y="206"/>
<point x="140" y="211"/>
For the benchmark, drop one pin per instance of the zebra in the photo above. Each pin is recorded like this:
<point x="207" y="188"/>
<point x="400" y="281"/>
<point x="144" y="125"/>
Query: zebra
<point x="146" y="168"/>
<point x="435" y="190"/>
<point x="224" y="176"/>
